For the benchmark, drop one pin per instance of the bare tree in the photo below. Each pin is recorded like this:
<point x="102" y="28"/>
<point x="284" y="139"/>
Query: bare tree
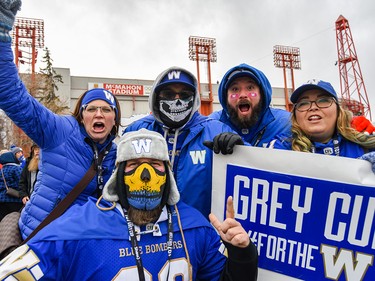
<point x="43" y="86"/>
<point x="6" y="132"/>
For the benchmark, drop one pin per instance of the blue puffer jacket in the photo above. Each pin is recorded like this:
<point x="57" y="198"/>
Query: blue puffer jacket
<point x="272" y="121"/>
<point x="65" y="156"/>
<point x="191" y="160"/>
<point x="12" y="172"/>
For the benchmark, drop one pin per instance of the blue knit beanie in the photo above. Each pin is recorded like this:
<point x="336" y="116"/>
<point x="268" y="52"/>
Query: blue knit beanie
<point x="100" y="94"/>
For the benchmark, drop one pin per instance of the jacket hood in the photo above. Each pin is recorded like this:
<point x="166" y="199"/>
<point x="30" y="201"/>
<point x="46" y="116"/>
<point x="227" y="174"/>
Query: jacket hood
<point x="8" y="157"/>
<point x="264" y="84"/>
<point x="152" y="101"/>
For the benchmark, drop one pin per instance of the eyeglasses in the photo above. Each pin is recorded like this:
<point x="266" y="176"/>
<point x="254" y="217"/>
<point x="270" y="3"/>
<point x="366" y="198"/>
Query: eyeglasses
<point x="249" y="95"/>
<point x="305" y="105"/>
<point x="93" y="109"/>
<point x="171" y="95"/>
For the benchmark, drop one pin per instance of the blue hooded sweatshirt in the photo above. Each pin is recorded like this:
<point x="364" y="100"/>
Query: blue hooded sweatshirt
<point x="272" y="121"/>
<point x="191" y="160"/>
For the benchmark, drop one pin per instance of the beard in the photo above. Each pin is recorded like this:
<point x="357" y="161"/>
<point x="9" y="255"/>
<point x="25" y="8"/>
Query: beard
<point x="245" y="122"/>
<point x="33" y="164"/>
<point x="141" y="217"/>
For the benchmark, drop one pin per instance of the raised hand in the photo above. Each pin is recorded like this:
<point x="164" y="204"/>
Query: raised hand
<point x="230" y="230"/>
<point x="8" y="11"/>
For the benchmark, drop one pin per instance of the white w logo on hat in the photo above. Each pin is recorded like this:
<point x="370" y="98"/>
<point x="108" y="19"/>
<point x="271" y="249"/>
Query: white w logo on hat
<point x="313" y="81"/>
<point x="142" y="145"/>
<point x="109" y="96"/>
<point x="174" y="75"/>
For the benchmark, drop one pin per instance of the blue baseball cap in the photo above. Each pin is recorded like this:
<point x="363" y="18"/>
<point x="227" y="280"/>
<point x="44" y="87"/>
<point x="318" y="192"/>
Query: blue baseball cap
<point x="240" y="73"/>
<point x="176" y="76"/>
<point x="313" y="84"/>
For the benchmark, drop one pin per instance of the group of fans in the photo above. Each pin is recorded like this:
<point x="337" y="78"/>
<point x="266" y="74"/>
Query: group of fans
<point x="146" y="214"/>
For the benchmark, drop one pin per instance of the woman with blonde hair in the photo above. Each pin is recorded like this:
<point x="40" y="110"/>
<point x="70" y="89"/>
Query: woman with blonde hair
<point x="321" y="125"/>
<point x="29" y="174"/>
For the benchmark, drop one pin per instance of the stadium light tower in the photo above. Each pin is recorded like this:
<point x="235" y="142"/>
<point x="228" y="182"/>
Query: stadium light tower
<point x="203" y="49"/>
<point x="27" y="33"/>
<point x="287" y="57"/>
<point x="27" y="37"/>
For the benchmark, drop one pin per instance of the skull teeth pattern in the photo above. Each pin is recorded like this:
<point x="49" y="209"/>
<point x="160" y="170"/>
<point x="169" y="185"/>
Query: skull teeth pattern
<point x="176" y="110"/>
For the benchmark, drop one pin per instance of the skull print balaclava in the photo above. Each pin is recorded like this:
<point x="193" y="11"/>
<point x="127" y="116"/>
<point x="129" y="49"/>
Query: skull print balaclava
<point x="175" y="113"/>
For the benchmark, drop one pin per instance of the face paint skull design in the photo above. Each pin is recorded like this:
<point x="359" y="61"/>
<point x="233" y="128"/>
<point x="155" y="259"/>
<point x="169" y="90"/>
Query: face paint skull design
<point x="144" y="187"/>
<point x="175" y="113"/>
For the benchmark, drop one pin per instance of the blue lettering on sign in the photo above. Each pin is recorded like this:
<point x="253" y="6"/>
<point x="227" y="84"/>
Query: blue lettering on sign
<point x="308" y="228"/>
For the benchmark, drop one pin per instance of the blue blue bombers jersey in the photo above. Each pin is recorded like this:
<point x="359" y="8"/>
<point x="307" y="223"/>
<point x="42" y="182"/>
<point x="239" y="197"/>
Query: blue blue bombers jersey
<point x="87" y="243"/>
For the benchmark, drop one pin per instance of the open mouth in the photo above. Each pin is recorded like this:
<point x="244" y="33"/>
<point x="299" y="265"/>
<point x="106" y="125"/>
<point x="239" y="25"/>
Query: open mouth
<point x="314" y="118"/>
<point x="245" y="107"/>
<point x="98" y="126"/>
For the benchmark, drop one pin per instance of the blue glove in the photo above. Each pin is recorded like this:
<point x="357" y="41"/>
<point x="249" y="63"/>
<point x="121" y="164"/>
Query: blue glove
<point x="224" y="143"/>
<point x="8" y="11"/>
<point x="369" y="157"/>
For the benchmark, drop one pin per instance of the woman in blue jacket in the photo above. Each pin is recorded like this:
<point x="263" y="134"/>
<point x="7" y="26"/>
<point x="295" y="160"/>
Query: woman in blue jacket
<point x="321" y="125"/>
<point x="174" y="102"/>
<point x="68" y="143"/>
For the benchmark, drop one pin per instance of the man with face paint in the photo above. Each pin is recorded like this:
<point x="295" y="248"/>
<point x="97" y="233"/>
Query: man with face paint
<point x="245" y="95"/>
<point x="174" y="102"/>
<point x="138" y="230"/>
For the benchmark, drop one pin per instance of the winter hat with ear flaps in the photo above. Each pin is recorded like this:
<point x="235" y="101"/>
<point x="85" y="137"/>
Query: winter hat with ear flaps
<point x="141" y="144"/>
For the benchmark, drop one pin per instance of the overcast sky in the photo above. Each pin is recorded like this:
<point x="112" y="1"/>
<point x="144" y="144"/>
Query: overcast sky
<point x="138" y="39"/>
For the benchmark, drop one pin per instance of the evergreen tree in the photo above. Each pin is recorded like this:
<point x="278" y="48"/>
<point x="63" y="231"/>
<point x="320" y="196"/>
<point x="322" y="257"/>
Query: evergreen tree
<point x="50" y="79"/>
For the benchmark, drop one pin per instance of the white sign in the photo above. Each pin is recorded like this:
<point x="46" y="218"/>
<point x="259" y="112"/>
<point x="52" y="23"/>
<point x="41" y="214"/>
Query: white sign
<point x="311" y="216"/>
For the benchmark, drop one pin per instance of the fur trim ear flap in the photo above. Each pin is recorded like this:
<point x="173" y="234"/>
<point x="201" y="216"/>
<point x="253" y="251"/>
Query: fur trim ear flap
<point x="174" y="194"/>
<point x="109" y="190"/>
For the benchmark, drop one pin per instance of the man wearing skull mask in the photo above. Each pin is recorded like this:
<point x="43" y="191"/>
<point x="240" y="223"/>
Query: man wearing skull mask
<point x="174" y="102"/>
<point x="138" y="230"/>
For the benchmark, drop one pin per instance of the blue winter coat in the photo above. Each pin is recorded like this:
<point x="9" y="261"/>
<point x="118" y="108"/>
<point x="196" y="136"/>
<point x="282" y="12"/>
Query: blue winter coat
<point x="346" y="147"/>
<point x="11" y="171"/>
<point x="193" y="167"/>
<point x="191" y="160"/>
<point x="272" y="121"/>
<point x="65" y="156"/>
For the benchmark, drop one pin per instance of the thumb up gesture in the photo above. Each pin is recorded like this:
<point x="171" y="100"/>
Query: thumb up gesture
<point x="230" y="230"/>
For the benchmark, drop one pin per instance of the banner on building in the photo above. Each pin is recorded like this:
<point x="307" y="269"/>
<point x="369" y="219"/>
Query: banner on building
<point x="122" y="89"/>
<point x="311" y="216"/>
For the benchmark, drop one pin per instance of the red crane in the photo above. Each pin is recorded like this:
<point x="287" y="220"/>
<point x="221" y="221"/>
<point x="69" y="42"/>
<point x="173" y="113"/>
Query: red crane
<point x="353" y="91"/>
